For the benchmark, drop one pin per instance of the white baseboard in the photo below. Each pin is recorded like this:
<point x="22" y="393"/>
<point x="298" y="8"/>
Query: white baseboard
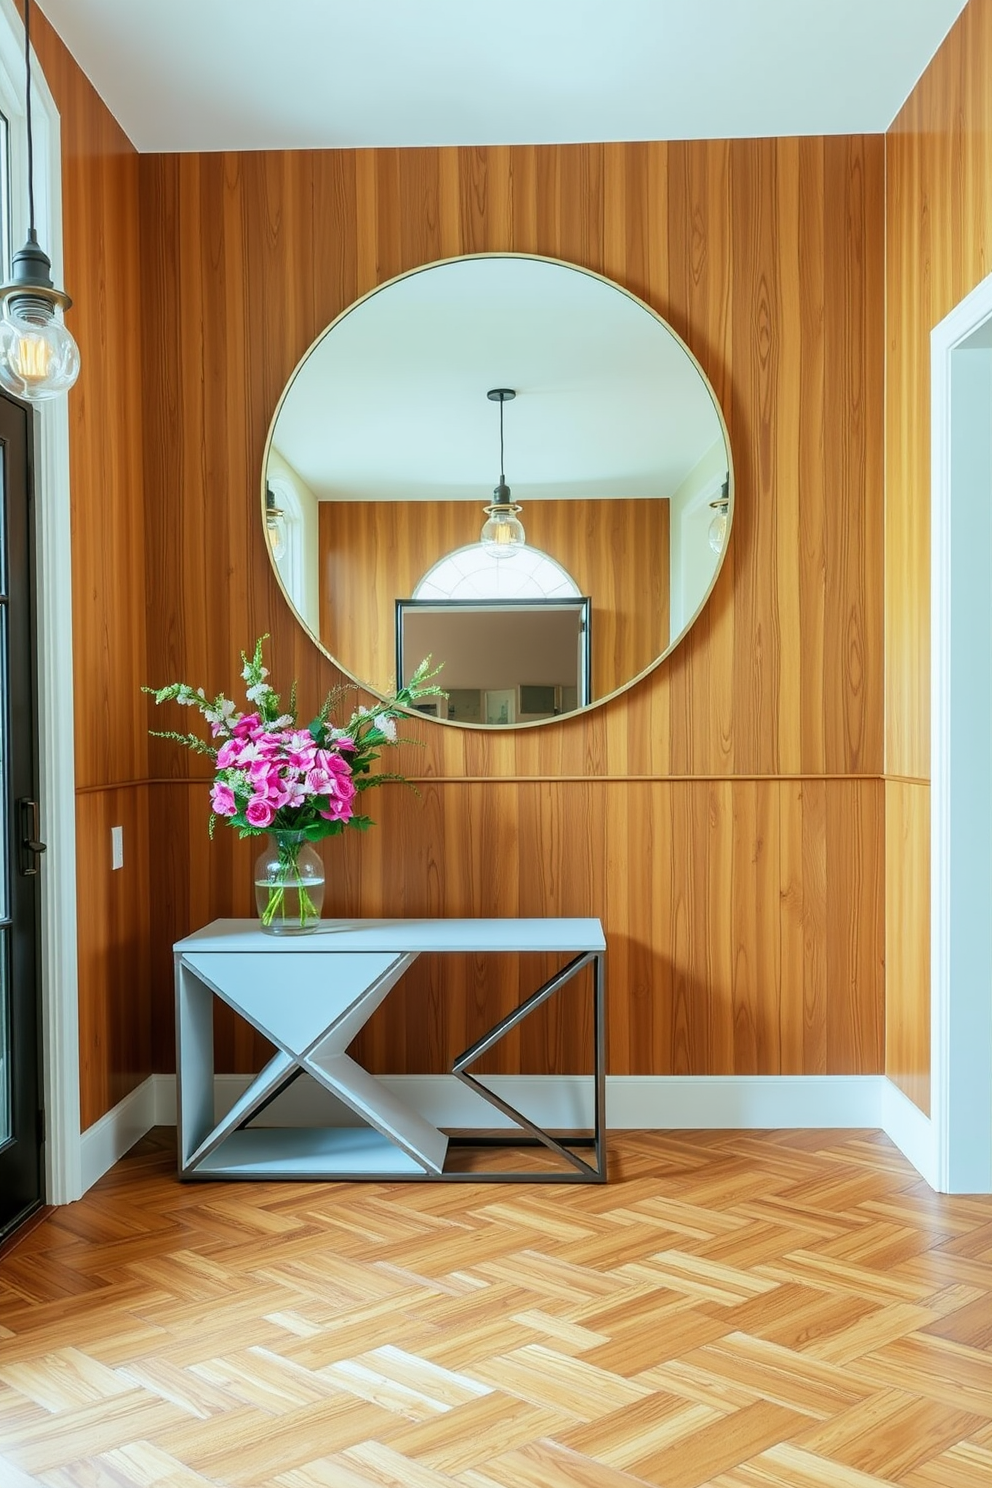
<point x="911" y="1131"/>
<point x="714" y="1102"/>
<point x="633" y="1102"/>
<point x="107" y="1140"/>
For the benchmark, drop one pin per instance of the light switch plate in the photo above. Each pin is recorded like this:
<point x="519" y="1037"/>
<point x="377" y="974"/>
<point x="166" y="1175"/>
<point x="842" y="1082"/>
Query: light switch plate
<point x="117" y="847"/>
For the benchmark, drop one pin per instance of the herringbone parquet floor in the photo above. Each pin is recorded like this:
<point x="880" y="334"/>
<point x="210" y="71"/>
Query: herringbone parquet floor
<point x="773" y="1310"/>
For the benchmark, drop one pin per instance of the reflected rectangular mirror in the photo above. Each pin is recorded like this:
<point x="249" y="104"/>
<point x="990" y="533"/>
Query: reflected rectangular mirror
<point x="504" y="661"/>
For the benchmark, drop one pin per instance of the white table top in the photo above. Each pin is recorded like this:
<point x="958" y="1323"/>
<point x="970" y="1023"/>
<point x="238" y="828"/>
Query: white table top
<point x="574" y="935"/>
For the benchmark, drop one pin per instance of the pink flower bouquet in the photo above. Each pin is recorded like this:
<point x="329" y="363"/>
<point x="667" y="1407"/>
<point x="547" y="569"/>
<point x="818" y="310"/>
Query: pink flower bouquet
<point x="300" y="784"/>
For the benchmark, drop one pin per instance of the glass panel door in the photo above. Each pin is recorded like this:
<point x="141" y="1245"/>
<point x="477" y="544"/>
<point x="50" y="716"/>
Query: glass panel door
<point x="20" y="1125"/>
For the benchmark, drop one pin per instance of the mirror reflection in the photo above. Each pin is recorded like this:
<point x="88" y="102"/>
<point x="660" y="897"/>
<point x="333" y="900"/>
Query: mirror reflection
<point x="506" y="462"/>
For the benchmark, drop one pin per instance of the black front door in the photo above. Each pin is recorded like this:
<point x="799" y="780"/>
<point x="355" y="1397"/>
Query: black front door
<point x="20" y="1119"/>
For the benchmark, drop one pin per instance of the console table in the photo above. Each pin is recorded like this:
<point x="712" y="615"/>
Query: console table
<point x="309" y="995"/>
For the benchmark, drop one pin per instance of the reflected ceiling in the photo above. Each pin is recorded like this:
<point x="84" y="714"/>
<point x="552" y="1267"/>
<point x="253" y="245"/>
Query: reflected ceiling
<point x="392" y="406"/>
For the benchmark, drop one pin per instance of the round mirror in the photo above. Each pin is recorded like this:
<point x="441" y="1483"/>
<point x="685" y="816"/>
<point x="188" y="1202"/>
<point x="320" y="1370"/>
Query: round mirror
<point x="509" y="464"/>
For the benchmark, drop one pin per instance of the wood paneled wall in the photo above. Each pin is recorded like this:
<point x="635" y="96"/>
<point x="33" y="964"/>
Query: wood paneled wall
<point x="107" y="713"/>
<point x="742" y="916"/>
<point x="939" y="246"/>
<point x="372" y="553"/>
<point x="743" y="906"/>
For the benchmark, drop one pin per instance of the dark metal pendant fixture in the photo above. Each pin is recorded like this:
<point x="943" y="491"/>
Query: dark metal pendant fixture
<point x="275" y="524"/>
<point x="503" y="533"/>
<point x="718" y="526"/>
<point x="38" y="356"/>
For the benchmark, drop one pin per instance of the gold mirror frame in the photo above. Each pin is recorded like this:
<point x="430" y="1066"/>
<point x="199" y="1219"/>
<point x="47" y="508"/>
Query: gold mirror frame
<point x="646" y="671"/>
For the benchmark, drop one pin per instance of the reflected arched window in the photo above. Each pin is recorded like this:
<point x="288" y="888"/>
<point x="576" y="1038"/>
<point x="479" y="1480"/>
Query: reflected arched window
<point x="474" y="573"/>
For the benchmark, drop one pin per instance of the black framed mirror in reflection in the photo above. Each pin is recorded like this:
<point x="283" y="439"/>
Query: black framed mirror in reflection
<point x="511" y="463"/>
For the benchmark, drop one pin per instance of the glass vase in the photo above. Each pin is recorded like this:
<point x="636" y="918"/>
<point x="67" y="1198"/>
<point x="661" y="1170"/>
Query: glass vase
<point x="289" y="885"/>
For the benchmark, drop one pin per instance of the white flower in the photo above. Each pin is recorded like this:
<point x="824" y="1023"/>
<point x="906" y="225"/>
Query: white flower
<point x="221" y="713"/>
<point x="386" y="725"/>
<point x="247" y="670"/>
<point x="256" y="693"/>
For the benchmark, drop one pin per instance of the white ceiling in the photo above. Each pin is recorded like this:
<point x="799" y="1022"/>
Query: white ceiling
<point x="286" y="74"/>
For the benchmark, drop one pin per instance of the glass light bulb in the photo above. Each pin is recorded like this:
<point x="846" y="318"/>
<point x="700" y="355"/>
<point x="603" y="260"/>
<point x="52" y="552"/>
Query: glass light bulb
<point x="38" y="357"/>
<point x="275" y="529"/>
<point x="718" y="531"/>
<point x="503" y="533"/>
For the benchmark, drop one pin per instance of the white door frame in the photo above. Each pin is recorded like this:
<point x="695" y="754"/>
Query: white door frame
<point x="53" y="579"/>
<point x="961" y="746"/>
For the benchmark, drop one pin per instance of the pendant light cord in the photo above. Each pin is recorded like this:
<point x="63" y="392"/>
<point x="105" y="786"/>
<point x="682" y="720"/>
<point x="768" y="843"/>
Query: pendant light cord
<point x="27" y="110"/>
<point x="502" y="472"/>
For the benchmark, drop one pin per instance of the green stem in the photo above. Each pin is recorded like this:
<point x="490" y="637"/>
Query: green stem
<point x="288" y="874"/>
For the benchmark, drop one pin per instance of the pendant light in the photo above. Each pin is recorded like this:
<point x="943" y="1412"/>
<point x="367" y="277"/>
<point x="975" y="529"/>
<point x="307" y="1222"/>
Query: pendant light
<point x="503" y="533"/>
<point x="275" y="524"/>
<point x="38" y="357"/>
<point x="718" y="526"/>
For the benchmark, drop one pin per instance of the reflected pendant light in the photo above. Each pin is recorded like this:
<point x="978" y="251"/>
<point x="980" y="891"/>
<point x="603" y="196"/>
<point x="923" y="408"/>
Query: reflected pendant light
<point x="38" y="357"/>
<point x="502" y="533"/>
<point x="275" y="524"/>
<point x="718" y="526"/>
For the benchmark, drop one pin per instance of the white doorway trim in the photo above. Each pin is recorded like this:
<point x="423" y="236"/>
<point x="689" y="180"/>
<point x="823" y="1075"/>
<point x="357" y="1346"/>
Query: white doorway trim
<point x="53" y="579"/>
<point x="961" y="745"/>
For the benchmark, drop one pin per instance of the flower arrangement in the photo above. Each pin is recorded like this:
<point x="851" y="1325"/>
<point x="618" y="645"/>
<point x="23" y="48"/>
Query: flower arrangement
<point x="299" y="783"/>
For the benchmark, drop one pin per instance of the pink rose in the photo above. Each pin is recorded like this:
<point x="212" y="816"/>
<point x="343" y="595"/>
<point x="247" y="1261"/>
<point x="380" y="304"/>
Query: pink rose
<point x="246" y="726"/>
<point x="337" y="810"/>
<point x="222" y="799"/>
<point x="338" y="765"/>
<point x="259" y="812"/>
<point x="343" y="787"/>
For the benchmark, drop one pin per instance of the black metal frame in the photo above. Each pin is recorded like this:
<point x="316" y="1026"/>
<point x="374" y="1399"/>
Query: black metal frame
<point x="582" y="1171"/>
